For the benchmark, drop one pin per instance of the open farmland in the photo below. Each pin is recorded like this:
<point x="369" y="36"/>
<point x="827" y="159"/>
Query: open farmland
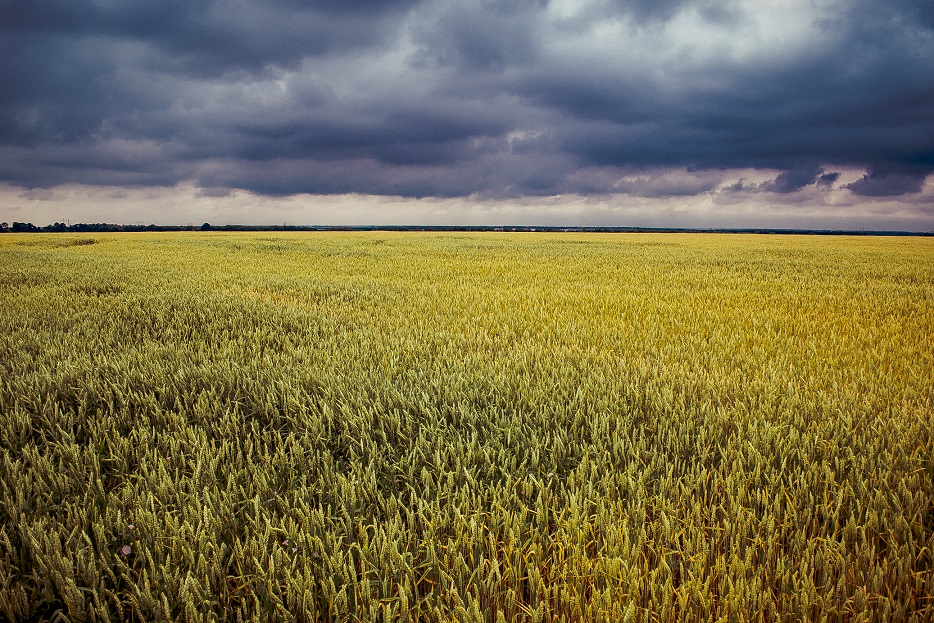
<point x="470" y="427"/>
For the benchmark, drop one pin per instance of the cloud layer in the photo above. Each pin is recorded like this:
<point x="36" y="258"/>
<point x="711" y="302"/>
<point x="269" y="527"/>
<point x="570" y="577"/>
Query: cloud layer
<point x="490" y="99"/>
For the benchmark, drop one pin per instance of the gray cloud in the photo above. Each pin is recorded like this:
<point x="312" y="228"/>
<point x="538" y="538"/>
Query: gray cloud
<point x="794" y="179"/>
<point x="888" y="183"/>
<point x="827" y="180"/>
<point x="494" y="99"/>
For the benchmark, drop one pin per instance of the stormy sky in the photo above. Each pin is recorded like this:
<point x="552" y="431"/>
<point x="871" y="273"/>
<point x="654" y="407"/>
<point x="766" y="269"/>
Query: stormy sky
<point x="631" y="112"/>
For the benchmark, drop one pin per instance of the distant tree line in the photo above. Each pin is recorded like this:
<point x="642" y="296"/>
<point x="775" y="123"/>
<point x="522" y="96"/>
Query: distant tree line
<point x="110" y="227"/>
<point x="85" y="227"/>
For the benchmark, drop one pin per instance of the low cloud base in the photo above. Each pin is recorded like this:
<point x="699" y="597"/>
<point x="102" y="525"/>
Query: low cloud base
<point x="711" y="199"/>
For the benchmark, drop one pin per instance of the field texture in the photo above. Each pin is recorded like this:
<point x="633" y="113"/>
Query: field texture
<point x="470" y="427"/>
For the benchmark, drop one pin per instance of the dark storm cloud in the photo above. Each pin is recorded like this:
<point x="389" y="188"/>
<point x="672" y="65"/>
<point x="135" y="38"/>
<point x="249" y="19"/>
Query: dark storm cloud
<point x="827" y="180"/>
<point x="493" y="98"/>
<point x="889" y="183"/>
<point x="794" y="179"/>
<point x="75" y="69"/>
<point x="210" y="36"/>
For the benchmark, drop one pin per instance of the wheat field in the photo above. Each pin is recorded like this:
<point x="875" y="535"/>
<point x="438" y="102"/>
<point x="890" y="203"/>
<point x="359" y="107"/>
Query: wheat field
<point x="530" y="427"/>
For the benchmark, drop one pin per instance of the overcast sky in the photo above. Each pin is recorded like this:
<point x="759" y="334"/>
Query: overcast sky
<point x="786" y="113"/>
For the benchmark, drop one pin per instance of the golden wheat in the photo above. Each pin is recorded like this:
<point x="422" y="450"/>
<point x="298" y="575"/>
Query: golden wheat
<point x="470" y="427"/>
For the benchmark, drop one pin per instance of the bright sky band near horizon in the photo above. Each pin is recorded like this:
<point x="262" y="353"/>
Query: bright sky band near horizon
<point x="688" y="113"/>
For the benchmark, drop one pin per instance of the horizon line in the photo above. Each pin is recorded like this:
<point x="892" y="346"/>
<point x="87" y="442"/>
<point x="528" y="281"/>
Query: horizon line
<point x="57" y="227"/>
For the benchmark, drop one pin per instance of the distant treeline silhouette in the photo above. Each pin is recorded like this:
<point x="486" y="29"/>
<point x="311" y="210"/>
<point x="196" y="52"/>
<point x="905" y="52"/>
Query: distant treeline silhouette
<point x="17" y="227"/>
